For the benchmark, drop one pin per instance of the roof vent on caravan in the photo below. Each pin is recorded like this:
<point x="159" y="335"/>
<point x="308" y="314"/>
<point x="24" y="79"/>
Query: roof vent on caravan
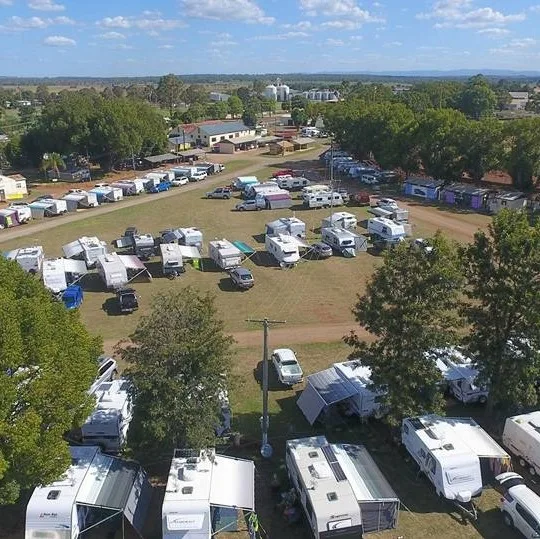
<point x="448" y="447"/>
<point x="432" y="434"/>
<point x="109" y="258"/>
<point x="188" y="472"/>
<point x="320" y="470"/>
<point x="332" y="496"/>
<point x="313" y="454"/>
<point x="187" y="490"/>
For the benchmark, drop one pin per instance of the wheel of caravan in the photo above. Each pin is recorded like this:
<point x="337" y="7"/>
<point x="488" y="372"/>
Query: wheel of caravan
<point x="532" y="470"/>
<point x="508" y="520"/>
<point x="522" y="463"/>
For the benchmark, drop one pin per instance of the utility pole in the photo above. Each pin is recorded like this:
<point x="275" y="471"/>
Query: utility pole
<point x="266" y="448"/>
<point x="332" y="174"/>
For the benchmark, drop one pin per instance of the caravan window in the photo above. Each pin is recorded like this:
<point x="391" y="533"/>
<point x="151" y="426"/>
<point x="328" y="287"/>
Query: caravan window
<point x="527" y="517"/>
<point x="53" y="494"/>
<point x="458" y="476"/>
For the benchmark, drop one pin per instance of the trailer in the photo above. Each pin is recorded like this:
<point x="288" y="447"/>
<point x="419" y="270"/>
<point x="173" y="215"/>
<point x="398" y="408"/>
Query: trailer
<point x="252" y="191"/>
<point x="137" y="184"/>
<point x="144" y="246"/>
<point x="56" y="206"/>
<point x="324" y="199"/>
<point x="118" y="270"/>
<point x="191" y="236"/>
<point x="172" y="264"/>
<point x="97" y="493"/>
<point x="521" y="436"/>
<point x="24" y="213"/>
<point x="59" y="273"/>
<point x="86" y="248"/>
<point x="291" y="226"/>
<point x="242" y="182"/>
<point x="457" y="456"/>
<point x="77" y="198"/>
<point x="292" y="183"/>
<point x="285" y="249"/>
<point x="340" y="219"/>
<point x="343" y="241"/>
<point x="41" y="209"/>
<point x="340" y="488"/>
<point x="277" y="200"/>
<point x="128" y="189"/>
<point x="205" y="493"/>
<point x="29" y="258"/>
<point x="398" y="215"/>
<point x="382" y="229"/>
<point x="9" y="218"/>
<point x="225" y="255"/>
<point x="107" y="194"/>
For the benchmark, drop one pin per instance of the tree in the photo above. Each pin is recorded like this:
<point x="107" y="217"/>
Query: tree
<point x="477" y="99"/>
<point x="244" y="93"/>
<point x="52" y="161"/>
<point x="236" y="107"/>
<point x="42" y="94"/>
<point x="250" y="117"/>
<point x="27" y="115"/>
<point x="299" y="102"/>
<point x="180" y="352"/>
<point x="169" y="91"/>
<point x="218" y="110"/>
<point x="195" y="113"/>
<point x="503" y="273"/>
<point x="45" y="374"/>
<point x="194" y="93"/>
<point x="409" y="307"/>
<point x="258" y="86"/>
<point x="299" y="117"/>
<point x="523" y="151"/>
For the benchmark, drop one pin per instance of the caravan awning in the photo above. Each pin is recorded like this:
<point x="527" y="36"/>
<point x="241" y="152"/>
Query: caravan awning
<point x="75" y="248"/>
<point x="75" y="266"/>
<point x="244" y="248"/>
<point x="189" y="251"/>
<point x="131" y="262"/>
<point x="233" y="483"/>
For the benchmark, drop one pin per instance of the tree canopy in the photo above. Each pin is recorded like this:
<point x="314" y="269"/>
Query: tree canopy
<point x="47" y="364"/>
<point x="169" y="91"/>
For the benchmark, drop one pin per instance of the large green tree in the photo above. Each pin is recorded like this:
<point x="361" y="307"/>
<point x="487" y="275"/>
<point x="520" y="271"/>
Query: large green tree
<point x="52" y="161"/>
<point x="523" y="151"/>
<point x="503" y="273"/>
<point x="47" y="364"/>
<point x="236" y="107"/>
<point x="169" y="91"/>
<point x="179" y="360"/>
<point x="477" y="99"/>
<point x="409" y="307"/>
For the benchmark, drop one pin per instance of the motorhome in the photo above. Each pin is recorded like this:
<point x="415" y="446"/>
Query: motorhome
<point x="521" y="436"/>
<point x="457" y="456"/>
<point x="191" y="236"/>
<point x="326" y="199"/>
<point x="107" y="193"/>
<point x="205" y="493"/>
<point x="292" y="183"/>
<point x="314" y="189"/>
<point x="340" y="219"/>
<point x="291" y="226"/>
<point x="242" y="182"/>
<point x="86" y="248"/>
<point x="118" y="270"/>
<point x="344" y="241"/>
<point x="143" y="246"/>
<point x="340" y="488"/>
<point x="225" y="255"/>
<point x="459" y="375"/>
<point x="29" y="258"/>
<point x="386" y="230"/>
<point x="284" y="248"/>
<point x="90" y="495"/>
<point x="24" y="213"/>
<point x="171" y="259"/>
<point x="77" y="198"/>
<point x="108" y="425"/>
<point x="59" y="273"/>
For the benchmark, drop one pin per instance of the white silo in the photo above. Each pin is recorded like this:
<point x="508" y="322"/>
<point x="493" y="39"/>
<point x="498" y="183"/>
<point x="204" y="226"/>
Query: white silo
<point x="283" y="92"/>
<point x="271" y="92"/>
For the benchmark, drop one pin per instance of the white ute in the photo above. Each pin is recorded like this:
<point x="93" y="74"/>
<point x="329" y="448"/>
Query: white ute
<point x="287" y="367"/>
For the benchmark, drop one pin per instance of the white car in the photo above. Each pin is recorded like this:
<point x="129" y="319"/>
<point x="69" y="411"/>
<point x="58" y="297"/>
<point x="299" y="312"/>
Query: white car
<point x="369" y="180"/>
<point x="198" y="176"/>
<point x="387" y="204"/>
<point x="520" y="506"/>
<point x="107" y="370"/>
<point x="287" y="367"/>
<point x="183" y="180"/>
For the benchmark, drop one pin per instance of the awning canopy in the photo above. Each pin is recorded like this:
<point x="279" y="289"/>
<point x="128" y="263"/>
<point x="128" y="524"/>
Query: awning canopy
<point x="131" y="262"/>
<point x="233" y="483"/>
<point x="163" y="158"/>
<point x="189" y="251"/>
<point x="74" y="248"/>
<point x="244" y="248"/>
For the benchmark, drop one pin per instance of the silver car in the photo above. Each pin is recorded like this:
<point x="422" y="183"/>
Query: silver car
<point x="287" y="367"/>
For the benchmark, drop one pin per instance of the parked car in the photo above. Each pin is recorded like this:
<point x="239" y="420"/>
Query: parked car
<point x="220" y="192"/>
<point x="159" y="188"/>
<point x="520" y="506"/>
<point x="320" y="250"/>
<point x="387" y="204"/>
<point x="128" y="302"/>
<point x="287" y="367"/>
<point x="362" y="198"/>
<point x="107" y="370"/>
<point x="182" y="180"/>
<point x="250" y="205"/>
<point x="198" y="176"/>
<point x="43" y="197"/>
<point x="242" y="278"/>
<point x="369" y="180"/>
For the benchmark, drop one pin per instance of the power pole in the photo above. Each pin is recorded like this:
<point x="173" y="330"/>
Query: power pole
<point x="266" y="448"/>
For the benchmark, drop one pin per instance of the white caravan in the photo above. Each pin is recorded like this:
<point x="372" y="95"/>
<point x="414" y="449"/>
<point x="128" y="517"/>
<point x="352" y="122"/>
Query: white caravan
<point x="326" y="199"/>
<point x="398" y="214"/>
<point x="265" y="188"/>
<point x="29" y="258"/>
<point x="285" y="249"/>
<point x="58" y="273"/>
<point x="191" y="236"/>
<point x="455" y="454"/>
<point x="143" y="245"/>
<point x="87" y="248"/>
<point x="344" y="241"/>
<point x="172" y="263"/>
<point x="112" y="270"/>
<point x="57" y="207"/>
<point x="292" y="183"/>
<point x="93" y="490"/>
<point x="385" y="229"/>
<point x="24" y="213"/>
<point x="107" y="426"/>
<point x="204" y="493"/>
<point x="77" y="198"/>
<point x="225" y="255"/>
<point x="128" y="189"/>
<point x="137" y="184"/>
<point x="521" y="436"/>
<point x="340" y="219"/>
<point x="342" y="491"/>
<point x="314" y="189"/>
<point x="459" y="375"/>
<point x="291" y="226"/>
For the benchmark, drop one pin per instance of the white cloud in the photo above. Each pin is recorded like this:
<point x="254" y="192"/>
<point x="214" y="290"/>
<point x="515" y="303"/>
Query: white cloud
<point x="166" y="46"/>
<point x="334" y="42"/>
<point x="301" y="25"/>
<point x="523" y="43"/>
<point x="356" y="38"/>
<point x="223" y="43"/>
<point x="534" y="9"/>
<point x="17" y="22"/>
<point x="516" y="46"/>
<point x="494" y="32"/>
<point x="342" y="25"/>
<point x="63" y="20"/>
<point x="45" y="5"/>
<point x="394" y="44"/>
<point x="348" y="9"/>
<point x="59" y="41"/>
<point x="226" y="10"/>
<point x="6" y="2"/>
<point x="461" y="14"/>
<point x="151" y="22"/>
<point x="112" y="35"/>
<point x="279" y="37"/>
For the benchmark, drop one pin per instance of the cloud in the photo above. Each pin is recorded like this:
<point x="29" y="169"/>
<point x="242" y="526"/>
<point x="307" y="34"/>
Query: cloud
<point x="278" y="37"/>
<point x="112" y="35"/>
<point x="348" y="9"/>
<point x="150" y="22"/>
<point x="523" y="43"/>
<point x="301" y="25"/>
<point x="6" y="2"/>
<point x="493" y="32"/>
<point x="516" y="46"/>
<point x="394" y="44"/>
<point x="166" y="47"/>
<point x="461" y="14"/>
<point x="16" y="23"/>
<point x="59" y="41"/>
<point x="223" y="43"/>
<point x="226" y="10"/>
<point x="342" y="25"/>
<point x="534" y="9"/>
<point x="45" y="5"/>
<point x="334" y="42"/>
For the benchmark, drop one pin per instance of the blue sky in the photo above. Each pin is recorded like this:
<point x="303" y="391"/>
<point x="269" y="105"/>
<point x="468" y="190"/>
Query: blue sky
<point x="114" y="38"/>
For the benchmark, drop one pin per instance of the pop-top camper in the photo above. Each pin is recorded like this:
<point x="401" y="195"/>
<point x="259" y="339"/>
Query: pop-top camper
<point x="285" y="249"/>
<point x="341" y="489"/>
<point x="225" y="254"/>
<point x="291" y="226"/>
<point x="29" y="258"/>
<point x="97" y="491"/>
<point x="86" y="248"/>
<point x="340" y="219"/>
<point x="344" y="241"/>
<point x="204" y="493"/>
<point x="521" y="436"/>
<point x="456" y="455"/>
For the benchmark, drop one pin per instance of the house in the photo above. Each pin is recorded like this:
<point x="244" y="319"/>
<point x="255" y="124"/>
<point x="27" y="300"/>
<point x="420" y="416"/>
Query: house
<point x="248" y="142"/>
<point x="281" y="147"/>
<point x="12" y="187"/>
<point x="97" y="491"/>
<point x="512" y="200"/>
<point x="518" y="100"/>
<point x="211" y="132"/>
<point x="427" y="188"/>
<point x="465" y="195"/>
<point x="341" y="489"/>
<point x="204" y="494"/>
<point x="302" y="143"/>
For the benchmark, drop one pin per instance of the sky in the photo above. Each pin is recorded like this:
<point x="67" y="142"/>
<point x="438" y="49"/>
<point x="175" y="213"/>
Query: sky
<point x="107" y="38"/>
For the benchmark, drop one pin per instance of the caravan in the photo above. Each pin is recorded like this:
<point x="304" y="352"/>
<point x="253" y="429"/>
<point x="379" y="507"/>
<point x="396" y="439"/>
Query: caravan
<point x="56" y="207"/>
<point x="143" y="246"/>
<point x="190" y="236"/>
<point x="324" y="199"/>
<point x="24" y="213"/>
<point x="59" y="273"/>
<point x="340" y="219"/>
<point x="29" y="258"/>
<point x="382" y="229"/>
<point x="86" y="248"/>
<point x="285" y="249"/>
<point x="291" y="226"/>
<point x="292" y="183"/>
<point x="77" y="198"/>
<point x="344" y="241"/>
<point x="118" y="270"/>
<point x="521" y="436"/>
<point x="172" y="264"/>
<point x="225" y="255"/>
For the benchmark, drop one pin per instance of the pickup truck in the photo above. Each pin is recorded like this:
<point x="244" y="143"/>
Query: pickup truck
<point x="219" y="192"/>
<point x="159" y="188"/>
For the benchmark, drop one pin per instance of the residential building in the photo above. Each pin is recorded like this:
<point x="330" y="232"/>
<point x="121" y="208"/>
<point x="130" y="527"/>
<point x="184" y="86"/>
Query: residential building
<point x="209" y="133"/>
<point x="12" y="187"/>
<point x="518" y="101"/>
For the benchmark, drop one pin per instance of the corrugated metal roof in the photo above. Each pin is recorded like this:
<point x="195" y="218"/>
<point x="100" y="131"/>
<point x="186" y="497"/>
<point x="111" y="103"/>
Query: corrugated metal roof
<point x="161" y="158"/>
<point x="222" y="128"/>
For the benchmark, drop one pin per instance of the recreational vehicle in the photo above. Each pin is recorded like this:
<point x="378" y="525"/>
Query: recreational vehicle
<point x="285" y="249"/>
<point x="137" y="184"/>
<point x="86" y="248"/>
<point x="128" y="189"/>
<point x="225" y="254"/>
<point x="521" y="436"/>
<point x="399" y="215"/>
<point x="24" y="213"/>
<point x="326" y="199"/>
<point x="287" y="225"/>
<point x="8" y="218"/>
<point x="56" y="207"/>
<point x="107" y="194"/>
<point x="384" y="229"/>
<point x="107" y="426"/>
<point x="59" y="273"/>
<point x="77" y="198"/>
<point x="29" y="258"/>
<point x="314" y="189"/>
<point x="457" y="456"/>
<point x="40" y="209"/>
<point x="340" y="219"/>
<point x="342" y="491"/>
<point x="191" y="236"/>
<point x="251" y="191"/>
<point x="143" y="246"/>
<point x="97" y="491"/>
<point x="344" y="241"/>
<point x="115" y="269"/>
<point x="292" y="183"/>
<point x="204" y="493"/>
<point x="171" y="259"/>
<point x="242" y="182"/>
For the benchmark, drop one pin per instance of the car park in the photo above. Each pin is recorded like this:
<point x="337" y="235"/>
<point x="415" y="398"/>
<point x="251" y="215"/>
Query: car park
<point x="250" y="205"/>
<point x="320" y="250"/>
<point x="287" y="367"/>
<point x="242" y="278"/>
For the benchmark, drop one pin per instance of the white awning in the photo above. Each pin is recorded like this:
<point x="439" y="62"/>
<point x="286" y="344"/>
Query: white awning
<point x="233" y="483"/>
<point x="75" y="266"/>
<point x="72" y="249"/>
<point x="180" y="522"/>
<point x="299" y="241"/>
<point x="189" y="251"/>
<point x="131" y="262"/>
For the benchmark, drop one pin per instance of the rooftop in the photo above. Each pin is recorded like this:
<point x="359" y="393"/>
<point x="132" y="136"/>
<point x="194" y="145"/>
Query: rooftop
<point x="220" y="128"/>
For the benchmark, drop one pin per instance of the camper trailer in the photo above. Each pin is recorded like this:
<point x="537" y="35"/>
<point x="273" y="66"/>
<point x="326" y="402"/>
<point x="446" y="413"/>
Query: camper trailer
<point x="29" y="258"/>
<point x="252" y="191"/>
<point x="292" y="183"/>
<point x="107" y="194"/>
<point x="326" y="199"/>
<point x="386" y="230"/>
<point x="342" y="491"/>
<point x="128" y="189"/>
<point x="136" y="184"/>
<point x="291" y="226"/>
<point x="314" y="189"/>
<point x="56" y="207"/>
<point x="59" y="273"/>
<point x="191" y="236"/>
<point x="77" y="198"/>
<point x="86" y="248"/>
<point x="396" y="214"/>
<point x="172" y="264"/>
<point x="521" y="436"/>
<point x="242" y="182"/>
<point x="9" y="218"/>
<point x="340" y="219"/>
<point x="225" y="254"/>
<point x="90" y="494"/>
<point x="143" y="246"/>
<point x="107" y="426"/>
<point x="41" y="208"/>
<point x="285" y="249"/>
<point x="344" y="241"/>
<point x="457" y="456"/>
<point x="204" y="493"/>
<point x="112" y="270"/>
